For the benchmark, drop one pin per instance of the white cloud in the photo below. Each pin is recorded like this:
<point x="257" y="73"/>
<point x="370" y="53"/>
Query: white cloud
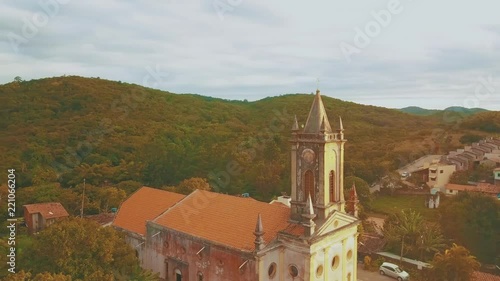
<point x="426" y="55"/>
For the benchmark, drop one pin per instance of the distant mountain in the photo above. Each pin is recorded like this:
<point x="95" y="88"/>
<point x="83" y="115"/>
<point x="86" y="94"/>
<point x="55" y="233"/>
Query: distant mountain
<point x="467" y="111"/>
<point x="426" y="112"/>
<point x="418" y="110"/>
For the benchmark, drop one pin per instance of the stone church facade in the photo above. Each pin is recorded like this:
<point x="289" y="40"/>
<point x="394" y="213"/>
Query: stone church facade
<point x="212" y="236"/>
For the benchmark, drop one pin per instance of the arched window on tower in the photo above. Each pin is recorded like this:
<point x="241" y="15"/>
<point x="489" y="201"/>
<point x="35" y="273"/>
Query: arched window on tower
<point x="309" y="185"/>
<point x="332" y="186"/>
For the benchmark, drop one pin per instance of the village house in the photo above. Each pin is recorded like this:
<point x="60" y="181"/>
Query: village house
<point x="212" y="236"/>
<point x="496" y="175"/>
<point x="485" y="151"/>
<point x="439" y="174"/>
<point x="485" y="188"/>
<point x="436" y="170"/>
<point x="39" y="216"/>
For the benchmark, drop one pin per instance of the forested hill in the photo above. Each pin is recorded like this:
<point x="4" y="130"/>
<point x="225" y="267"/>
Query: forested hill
<point x="65" y="129"/>
<point x="457" y="109"/>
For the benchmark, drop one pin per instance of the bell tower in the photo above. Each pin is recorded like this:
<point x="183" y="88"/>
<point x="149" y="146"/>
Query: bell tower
<point x="317" y="164"/>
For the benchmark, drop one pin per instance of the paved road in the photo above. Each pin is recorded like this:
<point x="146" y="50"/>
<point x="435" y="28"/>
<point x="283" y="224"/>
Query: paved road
<point x="364" y="275"/>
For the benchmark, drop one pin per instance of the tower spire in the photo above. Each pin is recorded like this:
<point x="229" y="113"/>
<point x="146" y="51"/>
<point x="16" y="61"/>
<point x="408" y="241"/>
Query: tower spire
<point x="259" y="233"/>
<point x="317" y="167"/>
<point x="309" y="215"/>
<point x="316" y="115"/>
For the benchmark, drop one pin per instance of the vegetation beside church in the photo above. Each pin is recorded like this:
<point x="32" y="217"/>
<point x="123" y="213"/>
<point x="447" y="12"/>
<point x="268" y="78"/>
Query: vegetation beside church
<point x="473" y="220"/>
<point x="79" y="249"/>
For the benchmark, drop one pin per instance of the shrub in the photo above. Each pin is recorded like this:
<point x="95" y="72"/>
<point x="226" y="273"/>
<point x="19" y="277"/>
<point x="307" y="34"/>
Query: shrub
<point x="367" y="263"/>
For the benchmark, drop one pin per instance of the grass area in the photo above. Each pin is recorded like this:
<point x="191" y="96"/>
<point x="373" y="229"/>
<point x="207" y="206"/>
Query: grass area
<point x="386" y="204"/>
<point x="23" y="243"/>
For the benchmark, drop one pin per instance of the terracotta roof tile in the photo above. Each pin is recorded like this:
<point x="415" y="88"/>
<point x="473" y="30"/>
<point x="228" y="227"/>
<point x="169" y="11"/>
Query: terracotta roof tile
<point x="481" y="187"/>
<point x="47" y="210"/>
<point x="225" y="219"/>
<point x="481" y="276"/>
<point x="294" y="229"/>
<point x="145" y="204"/>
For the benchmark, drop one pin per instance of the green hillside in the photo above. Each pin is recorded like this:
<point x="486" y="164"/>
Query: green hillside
<point x="65" y="129"/>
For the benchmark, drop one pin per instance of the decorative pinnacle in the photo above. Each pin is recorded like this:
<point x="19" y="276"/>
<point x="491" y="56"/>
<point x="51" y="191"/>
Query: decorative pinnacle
<point x="341" y="126"/>
<point x="309" y="205"/>
<point x="295" y="126"/>
<point x="309" y="215"/>
<point x="259" y="232"/>
<point x="353" y="192"/>
<point x="258" y="227"/>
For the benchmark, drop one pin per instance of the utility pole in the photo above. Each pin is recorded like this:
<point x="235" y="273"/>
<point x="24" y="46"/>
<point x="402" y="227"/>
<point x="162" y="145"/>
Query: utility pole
<point x="402" y="244"/>
<point x="83" y="199"/>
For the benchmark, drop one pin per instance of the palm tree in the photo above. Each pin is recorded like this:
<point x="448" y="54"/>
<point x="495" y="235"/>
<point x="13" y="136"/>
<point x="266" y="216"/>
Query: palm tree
<point x="404" y="228"/>
<point x="431" y="241"/>
<point x="410" y="225"/>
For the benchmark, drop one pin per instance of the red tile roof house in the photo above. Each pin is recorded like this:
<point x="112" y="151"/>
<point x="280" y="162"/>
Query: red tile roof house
<point x="485" y="188"/>
<point x="39" y="216"/>
<point x="481" y="276"/>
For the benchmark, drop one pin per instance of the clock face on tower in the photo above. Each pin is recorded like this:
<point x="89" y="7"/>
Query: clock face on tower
<point x="308" y="155"/>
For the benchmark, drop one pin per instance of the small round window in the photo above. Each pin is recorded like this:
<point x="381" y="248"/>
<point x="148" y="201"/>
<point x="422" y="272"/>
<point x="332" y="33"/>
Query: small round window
<point x="272" y="270"/>
<point x="293" y="270"/>
<point x="319" y="271"/>
<point x="335" y="262"/>
<point x="349" y="255"/>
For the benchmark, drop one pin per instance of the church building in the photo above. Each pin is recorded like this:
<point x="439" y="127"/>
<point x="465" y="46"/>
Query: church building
<point x="212" y="236"/>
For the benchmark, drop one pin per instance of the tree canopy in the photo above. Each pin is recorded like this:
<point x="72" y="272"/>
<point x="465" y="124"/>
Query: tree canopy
<point x="83" y="250"/>
<point x="189" y="185"/>
<point x="362" y="189"/>
<point x="455" y="264"/>
<point x="45" y="276"/>
<point x="473" y="220"/>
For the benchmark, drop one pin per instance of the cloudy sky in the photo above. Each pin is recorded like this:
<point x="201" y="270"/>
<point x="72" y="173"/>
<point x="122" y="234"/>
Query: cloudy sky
<point x="391" y="53"/>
